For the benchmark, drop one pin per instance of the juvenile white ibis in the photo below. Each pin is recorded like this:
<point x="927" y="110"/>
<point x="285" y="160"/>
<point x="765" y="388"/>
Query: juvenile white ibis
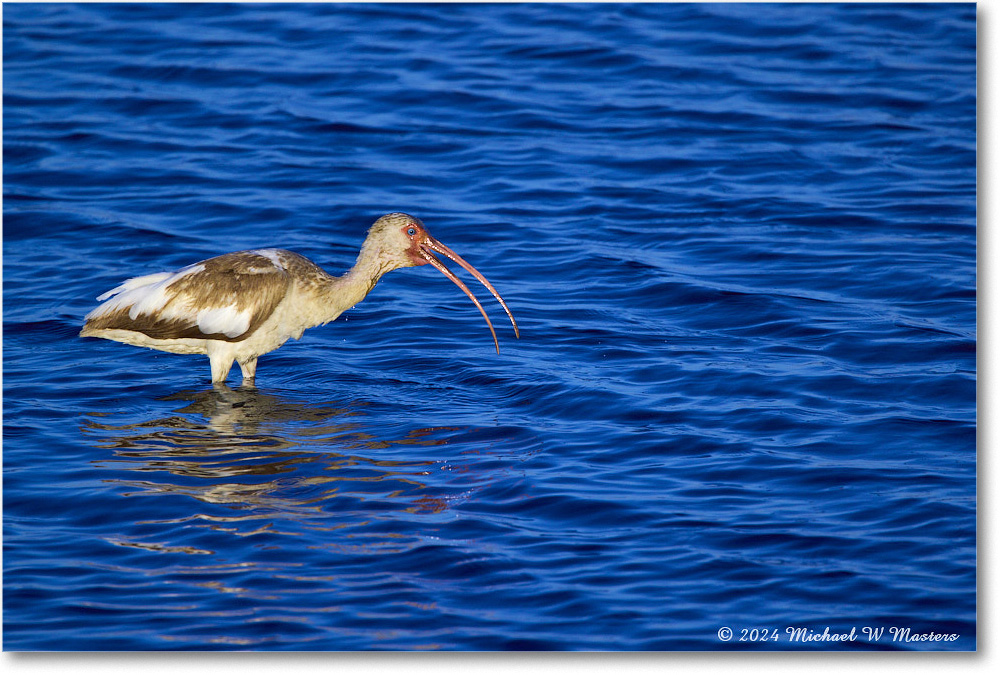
<point x="238" y="306"/>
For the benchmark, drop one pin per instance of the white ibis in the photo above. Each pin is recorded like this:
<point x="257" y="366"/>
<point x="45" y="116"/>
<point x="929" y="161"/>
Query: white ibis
<point x="238" y="306"/>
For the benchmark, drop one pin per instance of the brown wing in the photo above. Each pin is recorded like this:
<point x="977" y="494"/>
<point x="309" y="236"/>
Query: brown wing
<point x="224" y="298"/>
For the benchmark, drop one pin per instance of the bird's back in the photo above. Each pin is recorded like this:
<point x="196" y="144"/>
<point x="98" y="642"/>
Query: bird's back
<point x="223" y="298"/>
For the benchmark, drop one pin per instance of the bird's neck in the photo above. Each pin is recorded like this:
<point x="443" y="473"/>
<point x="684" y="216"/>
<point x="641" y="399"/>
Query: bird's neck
<point x="349" y="289"/>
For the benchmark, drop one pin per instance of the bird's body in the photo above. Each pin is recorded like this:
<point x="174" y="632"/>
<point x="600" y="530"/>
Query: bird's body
<point x="238" y="306"/>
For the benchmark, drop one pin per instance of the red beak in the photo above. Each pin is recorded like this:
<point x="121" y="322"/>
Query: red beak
<point x="432" y="244"/>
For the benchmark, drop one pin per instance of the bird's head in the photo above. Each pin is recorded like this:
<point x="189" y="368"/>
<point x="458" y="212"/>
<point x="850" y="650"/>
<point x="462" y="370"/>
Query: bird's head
<point x="400" y="240"/>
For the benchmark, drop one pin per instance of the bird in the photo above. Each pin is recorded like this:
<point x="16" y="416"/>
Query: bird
<point x="238" y="306"/>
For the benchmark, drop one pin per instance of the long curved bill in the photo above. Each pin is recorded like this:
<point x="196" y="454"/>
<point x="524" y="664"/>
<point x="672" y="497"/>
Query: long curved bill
<point x="432" y="244"/>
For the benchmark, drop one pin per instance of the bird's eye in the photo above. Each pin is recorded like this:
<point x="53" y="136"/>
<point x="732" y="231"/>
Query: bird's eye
<point x="412" y="231"/>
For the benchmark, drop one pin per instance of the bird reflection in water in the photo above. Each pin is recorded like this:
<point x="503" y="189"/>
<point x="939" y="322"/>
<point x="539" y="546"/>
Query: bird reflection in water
<point x="283" y="466"/>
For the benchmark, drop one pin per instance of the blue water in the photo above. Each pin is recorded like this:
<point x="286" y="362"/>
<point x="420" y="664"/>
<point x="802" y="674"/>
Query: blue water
<point x="739" y="241"/>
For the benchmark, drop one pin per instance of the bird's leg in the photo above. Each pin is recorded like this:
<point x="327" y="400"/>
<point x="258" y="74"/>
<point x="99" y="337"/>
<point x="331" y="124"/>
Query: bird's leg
<point x="220" y="367"/>
<point x="249" y="369"/>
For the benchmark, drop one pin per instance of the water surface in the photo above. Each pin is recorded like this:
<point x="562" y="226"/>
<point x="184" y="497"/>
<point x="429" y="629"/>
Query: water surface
<point x="740" y="243"/>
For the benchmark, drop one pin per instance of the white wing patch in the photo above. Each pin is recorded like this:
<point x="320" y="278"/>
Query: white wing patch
<point x="135" y="282"/>
<point x="143" y="295"/>
<point x="272" y="255"/>
<point x="226" y="320"/>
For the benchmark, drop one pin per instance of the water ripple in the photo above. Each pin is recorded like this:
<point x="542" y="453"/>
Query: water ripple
<point x="739" y="241"/>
